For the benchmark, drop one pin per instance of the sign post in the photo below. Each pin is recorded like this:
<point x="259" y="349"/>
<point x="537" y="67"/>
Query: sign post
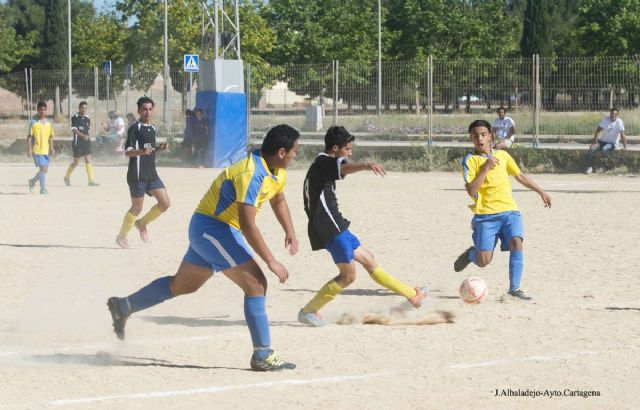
<point x="106" y="71"/>
<point x="191" y="65"/>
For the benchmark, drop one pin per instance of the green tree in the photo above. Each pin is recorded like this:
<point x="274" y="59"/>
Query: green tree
<point x="13" y="47"/>
<point x="609" y="27"/>
<point x="536" y="34"/>
<point x="54" y="47"/>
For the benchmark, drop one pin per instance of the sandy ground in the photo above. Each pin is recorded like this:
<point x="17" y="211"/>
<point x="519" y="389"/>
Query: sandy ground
<point x="60" y="264"/>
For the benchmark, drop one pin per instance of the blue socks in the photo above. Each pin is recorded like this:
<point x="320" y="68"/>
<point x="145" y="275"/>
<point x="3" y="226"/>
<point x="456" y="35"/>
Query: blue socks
<point x="516" y="266"/>
<point x="155" y="292"/>
<point x="473" y="255"/>
<point x="256" y="316"/>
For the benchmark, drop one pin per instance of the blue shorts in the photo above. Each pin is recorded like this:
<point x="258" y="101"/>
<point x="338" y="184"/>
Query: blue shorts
<point x="137" y="189"/>
<point x="488" y="228"/>
<point x="41" y="160"/>
<point x="216" y="245"/>
<point x="342" y="246"/>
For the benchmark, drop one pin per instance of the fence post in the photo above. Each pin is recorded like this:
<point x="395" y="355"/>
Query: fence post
<point x="430" y="97"/>
<point x="536" y="104"/>
<point x="96" y="98"/>
<point x="248" y="91"/>
<point x="26" y="83"/>
<point x="335" y="91"/>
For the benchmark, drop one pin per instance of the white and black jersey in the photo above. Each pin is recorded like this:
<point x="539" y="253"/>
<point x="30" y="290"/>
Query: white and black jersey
<point x="320" y="202"/>
<point x="141" y="168"/>
<point x="83" y="124"/>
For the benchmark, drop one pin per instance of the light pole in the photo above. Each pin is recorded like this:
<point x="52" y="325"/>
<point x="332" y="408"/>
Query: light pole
<point x="379" y="61"/>
<point x="70" y="93"/>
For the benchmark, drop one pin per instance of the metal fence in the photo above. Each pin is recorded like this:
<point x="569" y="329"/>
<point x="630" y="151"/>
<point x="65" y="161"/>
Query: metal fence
<point x="545" y="96"/>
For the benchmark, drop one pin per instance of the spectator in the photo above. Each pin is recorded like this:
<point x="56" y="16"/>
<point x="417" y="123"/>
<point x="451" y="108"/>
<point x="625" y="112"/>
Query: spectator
<point x="613" y="128"/>
<point x="200" y="137"/>
<point x="114" y="126"/>
<point x="503" y="129"/>
<point x="187" y="141"/>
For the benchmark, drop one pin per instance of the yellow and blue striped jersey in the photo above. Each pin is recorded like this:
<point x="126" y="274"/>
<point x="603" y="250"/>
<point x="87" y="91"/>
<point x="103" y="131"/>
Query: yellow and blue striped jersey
<point x="494" y="195"/>
<point x="41" y="132"/>
<point x="247" y="181"/>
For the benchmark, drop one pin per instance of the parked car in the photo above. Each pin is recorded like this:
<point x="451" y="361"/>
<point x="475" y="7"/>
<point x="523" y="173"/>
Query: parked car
<point x="472" y="98"/>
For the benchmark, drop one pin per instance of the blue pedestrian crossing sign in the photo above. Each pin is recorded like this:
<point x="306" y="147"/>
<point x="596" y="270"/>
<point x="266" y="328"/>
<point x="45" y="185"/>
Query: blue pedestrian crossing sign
<point x="191" y="63"/>
<point x="106" y="67"/>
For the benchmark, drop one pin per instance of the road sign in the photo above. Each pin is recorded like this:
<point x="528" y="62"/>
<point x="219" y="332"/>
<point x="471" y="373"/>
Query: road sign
<point x="191" y="63"/>
<point x="106" y="67"/>
<point x="128" y="71"/>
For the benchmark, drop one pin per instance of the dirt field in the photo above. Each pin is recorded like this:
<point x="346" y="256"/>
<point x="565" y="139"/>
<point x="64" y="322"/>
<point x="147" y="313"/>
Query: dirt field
<point x="579" y="336"/>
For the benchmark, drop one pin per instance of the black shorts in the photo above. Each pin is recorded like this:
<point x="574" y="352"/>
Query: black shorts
<point x="81" y="148"/>
<point x="137" y="189"/>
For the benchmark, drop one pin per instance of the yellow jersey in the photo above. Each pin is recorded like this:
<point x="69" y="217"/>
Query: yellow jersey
<point x="41" y="132"/>
<point x="494" y="195"/>
<point x="247" y="181"/>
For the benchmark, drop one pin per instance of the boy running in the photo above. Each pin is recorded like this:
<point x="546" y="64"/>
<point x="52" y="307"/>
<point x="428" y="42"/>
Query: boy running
<point x="142" y="176"/>
<point x="219" y="231"/>
<point x="328" y="229"/>
<point x="486" y="175"/>
<point x="39" y="143"/>
<point x="81" y="125"/>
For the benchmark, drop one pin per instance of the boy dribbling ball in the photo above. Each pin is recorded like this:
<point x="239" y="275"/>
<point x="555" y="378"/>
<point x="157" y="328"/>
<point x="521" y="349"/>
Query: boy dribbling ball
<point x="486" y="173"/>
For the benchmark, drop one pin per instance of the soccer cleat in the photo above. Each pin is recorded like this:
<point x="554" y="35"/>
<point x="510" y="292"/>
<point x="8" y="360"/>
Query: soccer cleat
<point x="44" y="191"/>
<point x="312" y="319"/>
<point x="122" y="242"/>
<point x="519" y="293"/>
<point x="463" y="261"/>
<point x="32" y="184"/>
<point x="67" y="181"/>
<point x="421" y="293"/>
<point x="272" y="362"/>
<point x="144" y="235"/>
<point x="589" y="170"/>
<point x="119" y="320"/>
<point x="93" y="183"/>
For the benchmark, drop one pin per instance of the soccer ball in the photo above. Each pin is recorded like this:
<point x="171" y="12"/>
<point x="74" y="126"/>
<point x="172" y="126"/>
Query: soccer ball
<point x="473" y="290"/>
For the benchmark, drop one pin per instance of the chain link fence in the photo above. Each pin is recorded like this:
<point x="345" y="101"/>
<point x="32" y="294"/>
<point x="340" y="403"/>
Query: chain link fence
<point x="410" y="100"/>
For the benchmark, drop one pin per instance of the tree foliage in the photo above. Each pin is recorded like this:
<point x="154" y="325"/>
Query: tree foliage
<point x="536" y="34"/>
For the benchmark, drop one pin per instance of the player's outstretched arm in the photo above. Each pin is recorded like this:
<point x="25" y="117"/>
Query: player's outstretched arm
<point x="247" y="216"/>
<point x="281" y="209"/>
<point x="528" y="182"/>
<point x="353" y="167"/>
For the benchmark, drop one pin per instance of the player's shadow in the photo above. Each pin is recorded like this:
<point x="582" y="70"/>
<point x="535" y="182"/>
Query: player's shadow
<point x="14" y="193"/>
<point x="107" y="359"/>
<point x="622" y="308"/>
<point x="192" y="321"/>
<point x="28" y="245"/>
<point x="350" y="292"/>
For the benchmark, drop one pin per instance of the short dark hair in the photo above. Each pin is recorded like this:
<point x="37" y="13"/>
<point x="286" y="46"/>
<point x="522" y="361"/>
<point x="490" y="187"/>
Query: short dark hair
<point x="145" y="100"/>
<point x="82" y="103"/>
<point x="479" y="123"/>
<point x="337" y="135"/>
<point x="188" y="112"/>
<point x="280" y="136"/>
<point x="501" y="108"/>
<point x="41" y="104"/>
<point x="199" y="110"/>
<point x="614" y="109"/>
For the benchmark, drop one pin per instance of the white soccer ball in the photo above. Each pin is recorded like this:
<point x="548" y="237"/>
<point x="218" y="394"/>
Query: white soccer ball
<point x="473" y="290"/>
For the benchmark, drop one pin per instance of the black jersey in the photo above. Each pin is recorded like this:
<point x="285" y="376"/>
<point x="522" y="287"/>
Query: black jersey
<point x="142" y="168"/>
<point x="83" y="124"/>
<point x="320" y="202"/>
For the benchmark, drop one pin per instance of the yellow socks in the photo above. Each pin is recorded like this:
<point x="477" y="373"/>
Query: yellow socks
<point x="70" y="171"/>
<point x="127" y="224"/>
<point x="384" y="279"/>
<point x="324" y="296"/>
<point x="89" y="171"/>
<point x="151" y="216"/>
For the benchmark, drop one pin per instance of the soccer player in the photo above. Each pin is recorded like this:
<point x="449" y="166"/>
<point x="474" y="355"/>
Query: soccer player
<point x="222" y="233"/>
<point x="39" y="144"/>
<point x="328" y="229"/>
<point x="142" y="177"/>
<point x="81" y="125"/>
<point x="486" y="175"/>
